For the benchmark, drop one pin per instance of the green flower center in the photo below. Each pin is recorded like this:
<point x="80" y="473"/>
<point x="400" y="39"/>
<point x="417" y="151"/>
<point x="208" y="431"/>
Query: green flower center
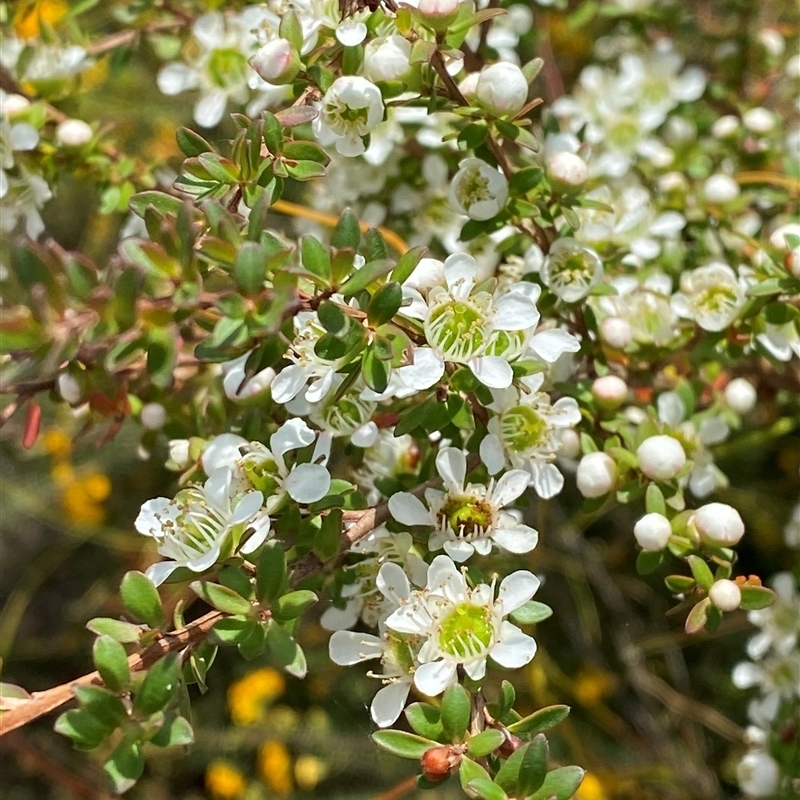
<point x="472" y="188"/>
<point x="227" y="68"/>
<point x="623" y="134"/>
<point x="467" y="632"/>
<point x="716" y="300"/>
<point x="348" y="414"/>
<point x="467" y="516"/>
<point x="457" y="329"/>
<point x="522" y="429"/>
<point x="508" y="344"/>
<point x="401" y="652"/>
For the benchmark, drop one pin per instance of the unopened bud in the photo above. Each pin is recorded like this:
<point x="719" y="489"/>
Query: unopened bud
<point x="387" y="58"/>
<point x="73" y="133"/>
<point x="609" y="391"/>
<point x="153" y="416"/>
<point x="438" y="14"/>
<point x="597" y="474"/>
<point x="741" y="395"/>
<point x="616" y="332"/>
<point x="566" y="170"/>
<point x="179" y="453"/>
<point x="661" y="458"/>
<point x="725" y="595"/>
<point x="69" y="388"/>
<point x="652" y="532"/>
<point x="721" y="188"/>
<point x="718" y="524"/>
<point x="725" y="126"/>
<point x="277" y="62"/>
<point x="758" y="120"/>
<point x="438" y="762"/>
<point x="14" y="104"/>
<point x="502" y="89"/>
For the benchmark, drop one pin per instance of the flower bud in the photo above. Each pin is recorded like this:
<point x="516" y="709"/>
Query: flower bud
<point x="609" y="391"/>
<point x="469" y="85"/>
<point x="758" y="120"/>
<point x="438" y="15"/>
<point x="652" y="532"/>
<point x="153" y="416"/>
<point x="725" y="126"/>
<point x="725" y="595"/>
<point x="502" y="89"/>
<point x="570" y="443"/>
<point x="277" y="62"/>
<point x="387" y="58"/>
<point x="13" y="105"/>
<point x="596" y="475"/>
<point x="438" y="762"/>
<point x="566" y="170"/>
<point x="741" y="396"/>
<point x="478" y="190"/>
<point x="616" y="332"/>
<point x="758" y="774"/>
<point x="69" y="388"/>
<point x="73" y="133"/>
<point x="179" y="453"/>
<point x="718" y="524"/>
<point x="721" y="188"/>
<point x="661" y="458"/>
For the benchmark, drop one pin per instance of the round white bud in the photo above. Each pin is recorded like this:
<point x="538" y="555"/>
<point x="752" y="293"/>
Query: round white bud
<point x="652" y="532"/>
<point x="609" y="391"/>
<point x="616" y="332"/>
<point x="721" y="188"/>
<point x="778" y="236"/>
<point x="661" y="457"/>
<point x="758" y="120"/>
<point x="758" y="774"/>
<point x="14" y="104"/>
<point x="741" y="395"/>
<point x="438" y="14"/>
<point x="387" y="58"/>
<point x="718" y="524"/>
<point x="772" y="41"/>
<point x="570" y="443"/>
<point x="73" y="133"/>
<point x="725" y="595"/>
<point x="502" y="89"/>
<point x="277" y="62"/>
<point x="792" y="68"/>
<point x="597" y="474"/>
<point x="153" y="416"/>
<point x="725" y="126"/>
<point x="469" y="85"/>
<point x="567" y="170"/>
<point x="179" y="452"/>
<point x="69" y="388"/>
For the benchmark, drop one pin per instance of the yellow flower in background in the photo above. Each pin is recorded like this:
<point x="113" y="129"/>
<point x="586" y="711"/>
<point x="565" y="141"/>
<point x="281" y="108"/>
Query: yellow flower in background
<point x="57" y="444"/>
<point x="593" y="685"/>
<point x="82" y="499"/>
<point x="30" y="16"/>
<point x="591" y="788"/>
<point x="275" y="766"/>
<point x="309" y="771"/>
<point x="224" y="781"/>
<point x="248" y="697"/>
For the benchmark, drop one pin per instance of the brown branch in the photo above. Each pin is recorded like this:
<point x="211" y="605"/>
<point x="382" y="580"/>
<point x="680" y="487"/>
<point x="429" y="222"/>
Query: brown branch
<point x="122" y="38"/>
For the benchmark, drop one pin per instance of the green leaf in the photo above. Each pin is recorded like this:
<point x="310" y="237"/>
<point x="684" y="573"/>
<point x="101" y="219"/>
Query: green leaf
<point x="291" y="29"/>
<point x="174" y="732"/>
<point x="236" y="579"/>
<point x="125" y="766"/>
<point x="648" y="561"/>
<point x="102" y="704"/>
<point x="231" y="630"/>
<point x="161" y="202"/>
<point x="700" y="570"/>
<point x="286" y="651"/>
<point x="111" y="661"/>
<point x="249" y="269"/>
<point x="407" y="264"/>
<point x="222" y="598"/>
<point x="541" y="720"/>
<point x="347" y="233"/>
<point x="473" y="135"/>
<point x="328" y="539"/>
<point x="219" y="168"/>
<point x="363" y="277"/>
<point x="376" y="249"/>
<point x="765" y="288"/>
<point x="252" y="645"/>
<point x="560" y="784"/>
<point x="425" y="720"/>
<point x="294" y="604"/>
<point x="530" y="613"/>
<point x="532" y="69"/>
<point x="698" y="616"/>
<point x="310" y="151"/>
<point x="305" y="170"/>
<point x="456" y="710"/>
<point x="385" y="304"/>
<point x="755" y="597"/>
<point x="273" y="134"/>
<point x="485" y="742"/>
<point x="332" y="317"/>
<point x="678" y="584"/>
<point x="316" y="258"/>
<point x="270" y="573"/>
<point x="118" y="630"/>
<point x="191" y="143"/>
<point x="654" y="500"/>
<point x="200" y="662"/>
<point x="468" y="771"/>
<point x="140" y="598"/>
<point x="525" y="770"/>
<point x="524" y="180"/>
<point x="85" y="730"/>
<point x="158" y="687"/>
<point x="400" y="743"/>
<point x="375" y="371"/>
<point x="485" y="789"/>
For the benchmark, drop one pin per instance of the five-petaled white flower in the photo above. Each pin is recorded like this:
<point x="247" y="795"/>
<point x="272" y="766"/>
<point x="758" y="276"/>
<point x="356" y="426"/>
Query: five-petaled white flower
<point x="350" y="109"/>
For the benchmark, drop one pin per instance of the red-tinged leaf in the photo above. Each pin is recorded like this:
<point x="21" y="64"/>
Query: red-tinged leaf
<point x="33" y="422"/>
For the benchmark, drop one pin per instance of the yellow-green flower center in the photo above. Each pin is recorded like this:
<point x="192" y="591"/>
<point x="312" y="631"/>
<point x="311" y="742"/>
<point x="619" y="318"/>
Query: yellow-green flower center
<point x="467" y="632"/>
<point x="467" y="516"/>
<point x="522" y="429"/>
<point x="458" y="329"/>
<point x="227" y="68"/>
<point x="472" y="188"/>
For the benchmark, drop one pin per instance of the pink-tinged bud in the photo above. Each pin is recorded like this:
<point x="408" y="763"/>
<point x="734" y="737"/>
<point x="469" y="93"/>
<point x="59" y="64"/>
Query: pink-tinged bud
<point x="566" y="170"/>
<point x="741" y="395"/>
<point x="616" y="332"/>
<point x="73" y="133"/>
<point x="437" y="15"/>
<point x="652" y="532"/>
<point x="277" y="62"/>
<point x="609" y="391"/>
<point x="718" y="524"/>
<point x="502" y="89"/>
<point x="597" y="474"/>
<point x="438" y="762"/>
<point x="725" y="595"/>
<point x="661" y="458"/>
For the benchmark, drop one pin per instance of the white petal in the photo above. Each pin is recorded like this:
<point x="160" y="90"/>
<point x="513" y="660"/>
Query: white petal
<point x="350" y="647"/>
<point x="223" y="451"/>
<point x="261" y="527"/>
<point x="388" y="703"/>
<point x="351" y="33"/>
<point x="339" y="619"/>
<point x="514" y="312"/>
<point x="671" y="409"/>
<point x="408" y="509"/>
<point x="517" y="539"/>
<point x="433" y="678"/>
<point x="247" y="508"/>
<point x="515" y="648"/>
<point x="546" y="479"/>
<point x="458" y="549"/>
<point x="152" y="516"/>
<point x="322" y="449"/>
<point x="427" y="369"/>
<point x="206" y="560"/>
<point x="366" y="435"/>
<point x="217" y="490"/>
<point x="158" y="573"/>
<point x="392" y="583"/>
<point x="746" y="674"/>
<point x="292" y="435"/>
<point x="451" y="464"/>
<point x="208" y="110"/>
<point x="176" y="78"/>
<point x="515" y="590"/>
<point x="492" y="453"/>
<point x="460" y="270"/>
<point x="308" y="483"/>
<point x="476" y="669"/>
<point x="492" y="371"/>
<point x="565" y="413"/>
<point x="288" y="383"/>
<point x="510" y="486"/>
<point x="551" y="345"/>
<point x="445" y="579"/>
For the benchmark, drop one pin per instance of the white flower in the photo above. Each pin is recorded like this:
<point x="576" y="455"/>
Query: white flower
<point x="781" y="341"/>
<point x="467" y="518"/>
<point x="478" y="190"/>
<point x="571" y="269"/>
<point x="524" y="433"/>
<point x="711" y="295"/>
<point x="725" y="595"/>
<point x="652" y="532"/>
<point x="387" y="58"/>
<point x="350" y="109"/>
<point x="203" y="524"/>
<point x="597" y="474"/>
<point x="69" y="388"/>
<point x="718" y="524"/>
<point x="237" y="386"/>
<point x="661" y="458"/>
<point x="460" y="626"/>
<point x="721" y="188"/>
<point x="758" y="774"/>
<point x="502" y="89"/>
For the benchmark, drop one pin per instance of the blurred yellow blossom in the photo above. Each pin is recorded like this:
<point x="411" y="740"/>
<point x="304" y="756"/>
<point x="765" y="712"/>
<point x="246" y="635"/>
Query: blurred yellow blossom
<point x="591" y="788"/>
<point x="275" y="766"/>
<point x="57" y="444"/>
<point x="82" y="499"/>
<point x="592" y="685"/>
<point x="224" y="781"/>
<point x="309" y="771"/>
<point x="248" y="697"/>
<point x="30" y="16"/>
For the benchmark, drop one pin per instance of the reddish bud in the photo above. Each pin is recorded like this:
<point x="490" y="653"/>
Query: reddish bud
<point x="438" y="762"/>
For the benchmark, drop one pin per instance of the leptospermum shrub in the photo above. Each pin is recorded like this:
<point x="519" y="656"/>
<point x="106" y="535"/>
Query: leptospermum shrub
<point x="440" y="274"/>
